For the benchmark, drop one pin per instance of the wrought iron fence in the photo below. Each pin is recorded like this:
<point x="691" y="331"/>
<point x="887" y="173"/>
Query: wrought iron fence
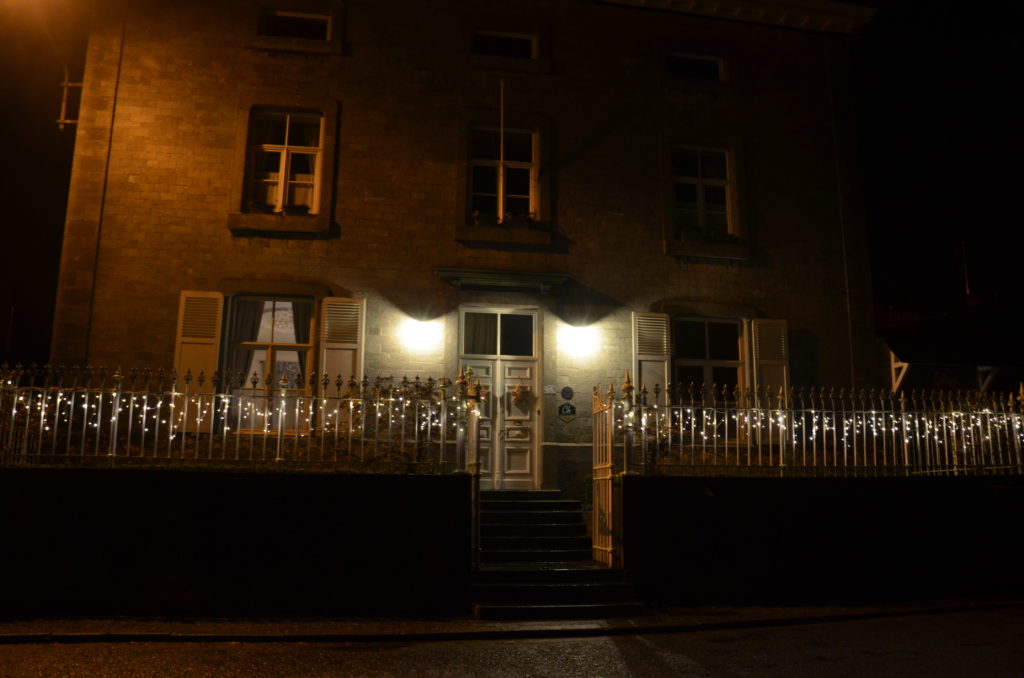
<point x="85" y="416"/>
<point x="707" y="430"/>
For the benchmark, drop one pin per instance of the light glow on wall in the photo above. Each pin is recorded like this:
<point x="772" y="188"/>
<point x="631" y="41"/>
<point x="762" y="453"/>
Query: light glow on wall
<point x="578" y="342"/>
<point x="421" y="336"/>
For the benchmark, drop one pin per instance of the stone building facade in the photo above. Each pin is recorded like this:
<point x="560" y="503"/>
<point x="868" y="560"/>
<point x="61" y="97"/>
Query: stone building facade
<point x="554" y="192"/>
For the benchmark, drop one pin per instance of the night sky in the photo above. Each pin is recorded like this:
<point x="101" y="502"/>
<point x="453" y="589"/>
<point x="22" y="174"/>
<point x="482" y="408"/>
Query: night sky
<point x="940" y="139"/>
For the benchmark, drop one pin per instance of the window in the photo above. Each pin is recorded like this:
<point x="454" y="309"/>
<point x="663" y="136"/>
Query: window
<point x="502" y="175"/>
<point x="697" y="67"/>
<point x="283" y="24"/>
<point x="493" y="334"/>
<point x="284" y="160"/>
<point x="702" y="195"/>
<point x="270" y="339"/>
<point x="707" y="352"/>
<point x="516" y="45"/>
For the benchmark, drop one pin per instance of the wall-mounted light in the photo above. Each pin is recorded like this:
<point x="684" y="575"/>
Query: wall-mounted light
<point x="421" y="336"/>
<point x="578" y="342"/>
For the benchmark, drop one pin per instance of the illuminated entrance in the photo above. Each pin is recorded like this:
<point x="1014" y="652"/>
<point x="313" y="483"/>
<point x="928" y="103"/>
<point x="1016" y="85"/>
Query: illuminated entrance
<point x="502" y="347"/>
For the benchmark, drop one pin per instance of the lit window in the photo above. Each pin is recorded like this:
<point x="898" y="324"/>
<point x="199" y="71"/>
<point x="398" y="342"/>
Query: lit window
<point x="698" y="67"/>
<point x="706" y="352"/>
<point x="284" y="159"/>
<point x="503" y="176"/>
<point x="282" y="24"/>
<point x="270" y="337"/>
<point x="702" y="188"/>
<point x="516" y="45"/>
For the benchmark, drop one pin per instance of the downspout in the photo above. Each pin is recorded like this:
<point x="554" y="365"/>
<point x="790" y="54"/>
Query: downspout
<point x="103" y="194"/>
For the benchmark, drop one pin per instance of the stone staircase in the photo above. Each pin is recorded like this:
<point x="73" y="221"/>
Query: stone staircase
<point x="535" y="562"/>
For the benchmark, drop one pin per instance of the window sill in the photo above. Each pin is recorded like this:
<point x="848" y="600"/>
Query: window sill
<point x="510" y="64"/>
<point x="733" y="250"/>
<point x="268" y="43"/>
<point x="502" y="235"/>
<point x="244" y="223"/>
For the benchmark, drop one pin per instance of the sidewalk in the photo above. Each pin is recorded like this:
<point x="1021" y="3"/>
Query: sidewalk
<point x="318" y="630"/>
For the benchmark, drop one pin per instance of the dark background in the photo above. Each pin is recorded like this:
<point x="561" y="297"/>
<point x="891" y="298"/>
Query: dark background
<point x="939" y="135"/>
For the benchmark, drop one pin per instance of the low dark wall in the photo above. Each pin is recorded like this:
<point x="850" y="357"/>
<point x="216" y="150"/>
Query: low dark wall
<point x="134" y="541"/>
<point x="797" y="540"/>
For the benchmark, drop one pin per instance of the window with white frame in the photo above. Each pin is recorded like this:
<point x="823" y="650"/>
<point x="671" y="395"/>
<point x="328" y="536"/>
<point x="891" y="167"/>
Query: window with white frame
<point x="502" y="175"/>
<point x="702" y="191"/>
<point x="270" y="339"/>
<point x="706" y="352"/>
<point x="286" y="24"/>
<point x="284" y="162"/>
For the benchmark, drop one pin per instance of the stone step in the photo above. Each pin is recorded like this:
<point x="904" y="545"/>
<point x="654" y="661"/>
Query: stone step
<point x="490" y="542"/>
<point x="568" y="611"/>
<point x="530" y="505"/>
<point x="527" y="517"/>
<point x="553" y="593"/>
<point x="534" y="555"/>
<point x="520" y="494"/>
<point x="533" y="530"/>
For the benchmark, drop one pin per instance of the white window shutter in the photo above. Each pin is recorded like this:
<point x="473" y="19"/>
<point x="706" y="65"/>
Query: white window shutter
<point x="197" y="344"/>
<point x="651" y="353"/>
<point x="341" y="339"/>
<point x="770" y="353"/>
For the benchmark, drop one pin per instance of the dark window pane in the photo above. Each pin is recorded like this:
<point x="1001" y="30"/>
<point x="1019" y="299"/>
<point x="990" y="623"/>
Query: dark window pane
<point x="302" y="164"/>
<point x="268" y="162"/>
<point x="484" y="205"/>
<point x="714" y="197"/>
<point x="503" y="45"/>
<point x="694" y="67"/>
<point x="304" y="132"/>
<point x="483" y="144"/>
<point x="517" y="181"/>
<point x="267" y="130"/>
<point x="686" y="194"/>
<point x="480" y="333"/>
<point x="516" y="334"/>
<point x="716" y="224"/>
<point x="689" y="374"/>
<point x="690" y="342"/>
<point x="712" y="165"/>
<point x="518" y="146"/>
<point x="485" y="179"/>
<point x="286" y="26"/>
<point x="725" y="376"/>
<point x="517" y="207"/>
<point x="685" y="163"/>
<point x="723" y="341"/>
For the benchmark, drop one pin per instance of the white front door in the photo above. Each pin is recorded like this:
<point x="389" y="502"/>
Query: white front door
<point x="501" y="347"/>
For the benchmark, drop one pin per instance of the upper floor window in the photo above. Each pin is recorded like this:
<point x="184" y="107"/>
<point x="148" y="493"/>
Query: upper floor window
<point x="284" y="162"/>
<point x="695" y="66"/>
<point x="503" y="175"/>
<point x="495" y="43"/>
<point x="702" y="187"/>
<point x="285" y="24"/>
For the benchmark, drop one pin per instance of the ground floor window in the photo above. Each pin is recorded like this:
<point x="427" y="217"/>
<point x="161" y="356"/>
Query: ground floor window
<point x="707" y="352"/>
<point x="270" y="339"/>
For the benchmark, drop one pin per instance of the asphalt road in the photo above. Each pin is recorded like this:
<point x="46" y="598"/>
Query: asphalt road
<point x="965" y="643"/>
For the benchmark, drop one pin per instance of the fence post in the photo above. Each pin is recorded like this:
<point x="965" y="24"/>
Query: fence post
<point x="471" y="438"/>
<point x="115" y="414"/>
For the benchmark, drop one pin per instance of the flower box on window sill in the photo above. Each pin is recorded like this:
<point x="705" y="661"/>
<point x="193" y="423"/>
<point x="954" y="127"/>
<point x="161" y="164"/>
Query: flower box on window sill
<point x="244" y="223"/>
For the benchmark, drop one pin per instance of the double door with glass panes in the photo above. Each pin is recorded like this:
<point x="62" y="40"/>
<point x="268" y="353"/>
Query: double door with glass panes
<point x="501" y="347"/>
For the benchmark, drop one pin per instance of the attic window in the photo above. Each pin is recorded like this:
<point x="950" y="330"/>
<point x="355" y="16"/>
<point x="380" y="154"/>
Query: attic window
<point x="515" y="45"/>
<point x="283" y="24"/>
<point x="697" y="67"/>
